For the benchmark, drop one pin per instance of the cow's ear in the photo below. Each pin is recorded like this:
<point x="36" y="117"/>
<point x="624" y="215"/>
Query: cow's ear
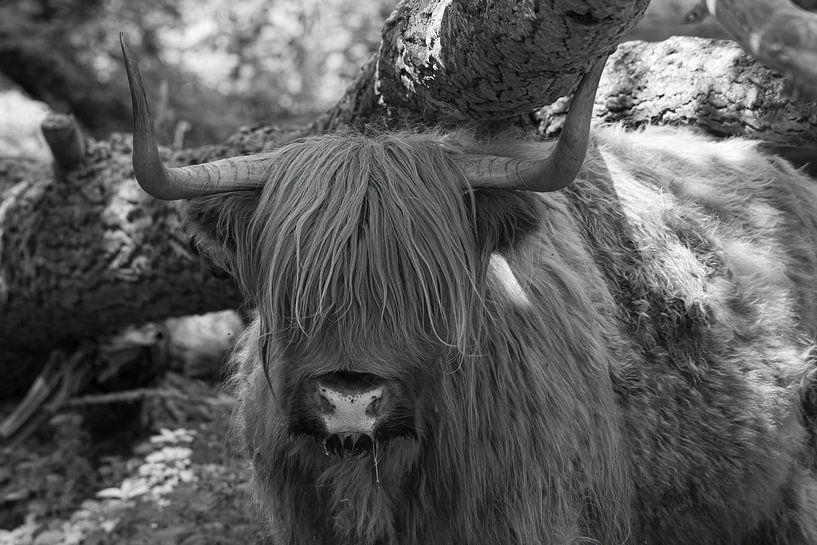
<point x="215" y="223"/>
<point x="503" y="218"/>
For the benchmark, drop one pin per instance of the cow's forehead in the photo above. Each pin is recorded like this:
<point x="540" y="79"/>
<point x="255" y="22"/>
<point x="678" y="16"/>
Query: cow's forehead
<point x="376" y="244"/>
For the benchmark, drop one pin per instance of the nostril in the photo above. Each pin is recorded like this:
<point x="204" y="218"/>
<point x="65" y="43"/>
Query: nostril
<point x="364" y="445"/>
<point x="325" y="405"/>
<point x="374" y="406"/>
<point x="332" y="445"/>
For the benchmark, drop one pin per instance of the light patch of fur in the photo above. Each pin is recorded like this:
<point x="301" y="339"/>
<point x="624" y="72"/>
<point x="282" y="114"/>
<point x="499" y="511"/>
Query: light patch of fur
<point x="734" y="194"/>
<point x="500" y="272"/>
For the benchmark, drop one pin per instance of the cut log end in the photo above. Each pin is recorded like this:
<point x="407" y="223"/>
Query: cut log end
<point x="64" y="139"/>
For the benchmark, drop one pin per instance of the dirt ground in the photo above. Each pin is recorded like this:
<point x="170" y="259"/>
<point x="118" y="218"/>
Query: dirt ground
<point x="155" y="470"/>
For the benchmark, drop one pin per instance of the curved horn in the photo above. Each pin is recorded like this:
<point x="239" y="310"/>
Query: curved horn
<point x="556" y="171"/>
<point x="181" y="183"/>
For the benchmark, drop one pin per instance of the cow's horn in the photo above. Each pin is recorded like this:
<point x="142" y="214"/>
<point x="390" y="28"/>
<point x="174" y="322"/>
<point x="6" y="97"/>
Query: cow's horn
<point x="556" y="171"/>
<point x="185" y="182"/>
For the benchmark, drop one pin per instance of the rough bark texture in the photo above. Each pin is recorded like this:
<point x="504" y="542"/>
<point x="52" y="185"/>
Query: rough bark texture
<point x="481" y="61"/>
<point x="85" y="252"/>
<point x="493" y="60"/>
<point x="711" y="84"/>
<point x="64" y="139"/>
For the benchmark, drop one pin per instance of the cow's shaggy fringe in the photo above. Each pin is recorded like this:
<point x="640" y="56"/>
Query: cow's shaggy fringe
<point x="356" y="234"/>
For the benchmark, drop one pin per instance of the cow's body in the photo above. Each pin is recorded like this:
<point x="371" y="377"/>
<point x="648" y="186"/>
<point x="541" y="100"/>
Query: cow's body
<point x="639" y="367"/>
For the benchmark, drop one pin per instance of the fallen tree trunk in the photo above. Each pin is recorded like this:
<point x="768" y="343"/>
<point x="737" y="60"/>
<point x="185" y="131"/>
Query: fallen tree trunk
<point x="709" y="84"/>
<point x="488" y="61"/>
<point x="85" y="252"/>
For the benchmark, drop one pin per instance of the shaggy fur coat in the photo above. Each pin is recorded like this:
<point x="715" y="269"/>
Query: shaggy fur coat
<point x="626" y="360"/>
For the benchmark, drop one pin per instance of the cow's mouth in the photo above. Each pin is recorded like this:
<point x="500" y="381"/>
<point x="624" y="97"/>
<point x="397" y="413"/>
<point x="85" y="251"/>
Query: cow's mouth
<point x="348" y="444"/>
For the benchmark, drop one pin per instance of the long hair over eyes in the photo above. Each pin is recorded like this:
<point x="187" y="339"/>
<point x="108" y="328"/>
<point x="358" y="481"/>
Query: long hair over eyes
<point x="370" y="237"/>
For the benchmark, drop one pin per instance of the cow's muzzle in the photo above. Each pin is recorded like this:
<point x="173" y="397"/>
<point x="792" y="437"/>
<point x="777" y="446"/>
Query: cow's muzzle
<point x="352" y="412"/>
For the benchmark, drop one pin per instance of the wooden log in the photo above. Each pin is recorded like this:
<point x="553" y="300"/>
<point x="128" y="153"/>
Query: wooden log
<point x="491" y="60"/>
<point x="64" y="139"/>
<point x="713" y="85"/>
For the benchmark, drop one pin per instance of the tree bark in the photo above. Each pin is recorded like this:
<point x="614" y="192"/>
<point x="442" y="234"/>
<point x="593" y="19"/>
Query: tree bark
<point x="480" y="62"/>
<point x="710" y="84"/>
<point x="85" y="252"/>
<point x="487" y="61"/>
<point x="64" y="139"/>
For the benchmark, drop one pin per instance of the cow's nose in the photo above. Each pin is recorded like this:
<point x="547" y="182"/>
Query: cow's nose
<point x="346" y="410"/>
<point x="349" y="411"/>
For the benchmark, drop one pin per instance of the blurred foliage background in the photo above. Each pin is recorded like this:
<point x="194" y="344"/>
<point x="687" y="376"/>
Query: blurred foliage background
<point x="210" y="65"/>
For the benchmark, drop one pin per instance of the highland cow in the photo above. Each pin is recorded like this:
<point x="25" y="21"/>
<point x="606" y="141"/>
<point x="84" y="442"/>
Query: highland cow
<point x="448" y="350"/>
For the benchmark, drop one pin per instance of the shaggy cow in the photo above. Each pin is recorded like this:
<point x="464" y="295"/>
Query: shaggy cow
<point x="438" y="359"/>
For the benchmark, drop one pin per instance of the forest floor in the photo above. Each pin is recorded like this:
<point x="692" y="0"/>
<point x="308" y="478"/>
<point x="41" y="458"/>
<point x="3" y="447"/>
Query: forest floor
<point x="157" y="471"/>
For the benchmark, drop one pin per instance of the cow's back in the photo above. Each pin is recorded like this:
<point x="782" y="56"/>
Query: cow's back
<point x="705" y="204"/>
<point x="709" y="250"/>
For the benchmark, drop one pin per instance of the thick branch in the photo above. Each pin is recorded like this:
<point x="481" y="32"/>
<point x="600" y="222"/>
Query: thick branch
<point x="480" y="61"/>
<point x="710" y="84"/>
<point x="65" y="139"/>
<point x="86" y="252"/>
<point x="493" y="60"/>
